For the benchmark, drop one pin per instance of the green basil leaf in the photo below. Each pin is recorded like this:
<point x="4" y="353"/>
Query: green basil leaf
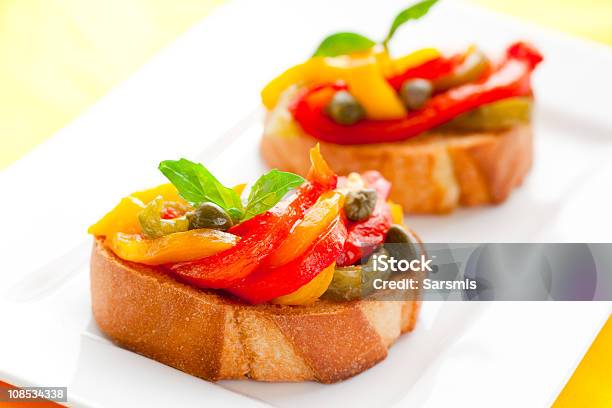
<point x="413" y="12"/>
<point x="268" y="190"/>
<point x="236" y="214"/>
<point x="197" y="185"/>
<point x="343" y="43"/>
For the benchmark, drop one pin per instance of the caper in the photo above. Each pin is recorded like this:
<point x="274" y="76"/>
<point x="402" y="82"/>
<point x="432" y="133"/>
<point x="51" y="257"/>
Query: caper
<point x="344" y="109"/>
<point x="470" y="70"/>
<point x="209" y="215"/>
<point x="356" y="281"/>
<point x="346" y="284"/>
<point x="400" y="243"/>
<point x="359" y="204"/>
<point x="153" y="226"/>
<point x="416" y="92"/>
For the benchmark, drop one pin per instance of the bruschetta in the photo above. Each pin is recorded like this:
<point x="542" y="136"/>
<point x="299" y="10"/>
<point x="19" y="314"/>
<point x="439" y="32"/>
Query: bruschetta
<point x="271" y="285"/>
<point x="446" y="130"/>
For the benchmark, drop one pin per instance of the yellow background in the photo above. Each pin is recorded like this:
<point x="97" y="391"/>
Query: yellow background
<point x="57" y="57"/>
<point x="591" y="384"/>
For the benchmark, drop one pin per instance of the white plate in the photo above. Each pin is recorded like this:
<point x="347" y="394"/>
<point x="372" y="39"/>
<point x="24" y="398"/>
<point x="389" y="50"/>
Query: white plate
<point x="182" y="103"/>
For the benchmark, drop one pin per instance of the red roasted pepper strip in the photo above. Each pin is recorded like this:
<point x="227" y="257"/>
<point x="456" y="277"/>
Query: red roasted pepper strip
<point x="511" y="79"/>
<point x="261" y="236"/>
<point x="320" y="173"/>
<point x="266" y="232"/>
<point x="365" y="236"/>
<point x="432" y="69"/>
<point x="266" y="284"/>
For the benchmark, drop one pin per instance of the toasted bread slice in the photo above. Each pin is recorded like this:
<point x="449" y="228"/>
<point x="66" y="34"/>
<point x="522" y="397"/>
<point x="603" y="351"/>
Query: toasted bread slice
<point x="432" y="173"/>
<point x="210" y="335"/>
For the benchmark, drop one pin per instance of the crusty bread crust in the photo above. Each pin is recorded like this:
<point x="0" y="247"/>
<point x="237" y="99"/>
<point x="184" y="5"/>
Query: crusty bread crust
<point x="212" y="336"/>
<point x="433" y="173"/>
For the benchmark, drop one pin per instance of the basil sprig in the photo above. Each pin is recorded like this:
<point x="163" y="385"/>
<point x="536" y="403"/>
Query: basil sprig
<point x="413" y="12"/>
<point x="268" y="190"/>
<point x="347" y="42"/>
<point x="197" y="185"/>
<point x="343" y="43"/>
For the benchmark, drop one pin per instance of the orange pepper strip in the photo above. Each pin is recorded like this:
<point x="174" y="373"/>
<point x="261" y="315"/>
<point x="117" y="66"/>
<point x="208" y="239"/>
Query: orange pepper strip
<point x="320" y="172"/>
<point x="311" y="291"/>
<point x="239" y="188"/>
<point x="122" y="218"/>
<point x="397" y="212"/>
<point x="316" y="221"/>
<point x="178" y="247"/>
<point x="167" y="191"/>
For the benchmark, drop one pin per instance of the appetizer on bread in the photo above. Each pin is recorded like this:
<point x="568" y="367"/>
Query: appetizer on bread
<point x="447" y="131"/>
<point x="273" y="285"/>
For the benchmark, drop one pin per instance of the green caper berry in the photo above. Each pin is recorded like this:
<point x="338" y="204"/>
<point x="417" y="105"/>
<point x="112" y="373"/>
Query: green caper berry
<point x="360" y="204"/>
<point x="470" y="70"/>
<point x="209" y="215"/>
<point x="400" y="244"/>
<point x="356" y="281"/>
<point x="416" y="92"/>
<point x="153" y="226"/>
<point x="346" y="284"/>
<point x="344" y="109"/>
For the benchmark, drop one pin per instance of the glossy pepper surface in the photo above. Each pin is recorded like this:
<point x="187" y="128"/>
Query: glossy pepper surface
<point x="311" y="291"/>
<point x="316" y="221"/>
<point x="510" y="79"/>
<point x="260" y="236"/>
<point x="268" y="283"/>
<point x="177" y="247"/>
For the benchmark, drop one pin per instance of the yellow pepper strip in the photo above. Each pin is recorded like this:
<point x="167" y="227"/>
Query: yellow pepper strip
<point x="371" y="89"/>
<point x="122" y="218"/>
<point x="365" y="74"/>
<point x="167" y="191"/>
<point x="397" y="212"/>
<point x="315" y="70"/>
<point x="239" y="188"/>
<point x="316" y="220"/>
<point x="178" y="247"/>
<point x="414" y="59"/>
<point x="294" y="75"/>
<point x="311" y="291"/>
<point x="319" y="169"/>
<point x="385" y="63"/>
